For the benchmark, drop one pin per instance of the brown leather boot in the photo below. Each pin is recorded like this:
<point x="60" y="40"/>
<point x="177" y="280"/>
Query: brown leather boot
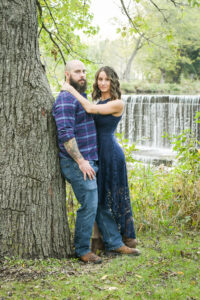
<point x="97" y="244"/>
<point x="129" y="242"/>
<point x="91" y="258"/>
<point x="126" y="250"/>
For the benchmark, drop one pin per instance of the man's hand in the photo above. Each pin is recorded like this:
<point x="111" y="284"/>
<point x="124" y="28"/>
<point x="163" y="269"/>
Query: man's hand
<point x="86" y="169"/>
<point x="84" y="165"/>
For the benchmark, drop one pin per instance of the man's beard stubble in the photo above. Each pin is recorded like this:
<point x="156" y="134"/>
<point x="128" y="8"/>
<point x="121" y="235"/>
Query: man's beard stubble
<point x="80" y="88"/>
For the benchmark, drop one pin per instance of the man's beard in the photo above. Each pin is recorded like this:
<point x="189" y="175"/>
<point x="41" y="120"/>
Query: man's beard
<point x="80" y="88"/>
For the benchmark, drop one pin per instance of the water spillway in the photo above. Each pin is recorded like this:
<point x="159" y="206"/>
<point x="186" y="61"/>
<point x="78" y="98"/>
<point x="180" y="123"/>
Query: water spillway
<point x="147" y="118"/>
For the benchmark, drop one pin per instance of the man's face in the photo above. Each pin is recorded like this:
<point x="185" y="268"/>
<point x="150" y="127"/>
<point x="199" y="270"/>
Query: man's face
<point x="77" y="77"/>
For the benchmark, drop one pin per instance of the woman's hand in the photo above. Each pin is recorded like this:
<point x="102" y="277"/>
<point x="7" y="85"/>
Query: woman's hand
<point x="67" y="87"/>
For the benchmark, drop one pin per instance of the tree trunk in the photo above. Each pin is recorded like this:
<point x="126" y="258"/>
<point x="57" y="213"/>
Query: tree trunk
<point x="33" y="219"/>
<point x="162" y="77"/>
<point x="127" y="72"/>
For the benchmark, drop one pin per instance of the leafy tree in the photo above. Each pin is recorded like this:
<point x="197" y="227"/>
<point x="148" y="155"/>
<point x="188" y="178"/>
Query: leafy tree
<point x="179" y="54"/>
<point x="170" y="37"/>
<point x="61" y="26"/>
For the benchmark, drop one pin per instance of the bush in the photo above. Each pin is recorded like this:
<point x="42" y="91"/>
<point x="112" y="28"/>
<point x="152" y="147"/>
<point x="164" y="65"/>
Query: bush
<point x="168" y="199"/>
<point x="144" y="87"/>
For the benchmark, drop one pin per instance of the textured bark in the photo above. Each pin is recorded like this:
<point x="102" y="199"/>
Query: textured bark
<point x="33" y="220"/>
<point x="127" y="72"/>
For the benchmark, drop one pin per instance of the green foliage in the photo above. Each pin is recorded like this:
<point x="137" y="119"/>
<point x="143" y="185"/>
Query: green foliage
<point x="188" y="157"/>
<point x="166" y="199"/>
<point x="187" y="147"/>
<point x="178" y="54"/>
<point x="144" y="87"/>
<point x="128" y="149"/>
<point x="170" y="49"/>
<point x="194" y="3"/>
<point x="197" y="117"/>
<point x="61" y="26"/>
<point x="170" y="39"/>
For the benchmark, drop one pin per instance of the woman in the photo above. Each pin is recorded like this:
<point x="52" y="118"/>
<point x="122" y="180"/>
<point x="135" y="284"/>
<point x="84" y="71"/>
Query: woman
<point x="113" y="191"/>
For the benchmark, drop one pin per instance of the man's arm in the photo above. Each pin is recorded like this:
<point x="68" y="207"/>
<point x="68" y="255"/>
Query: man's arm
<point x="64" y="114"/>
<point x="84" y="165"/>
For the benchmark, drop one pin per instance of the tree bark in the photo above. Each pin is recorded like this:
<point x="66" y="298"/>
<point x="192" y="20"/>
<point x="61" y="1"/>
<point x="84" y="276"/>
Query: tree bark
<point x="127" y="72"/>
<point x="33" y="219"/>
<point x="163" y="75"/>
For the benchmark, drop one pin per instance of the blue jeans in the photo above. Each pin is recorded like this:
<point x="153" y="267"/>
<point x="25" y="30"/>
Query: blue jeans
<point x="86" y="194"/>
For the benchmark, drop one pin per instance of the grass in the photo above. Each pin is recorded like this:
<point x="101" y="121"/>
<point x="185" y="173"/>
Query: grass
<point x="167" y="269"/>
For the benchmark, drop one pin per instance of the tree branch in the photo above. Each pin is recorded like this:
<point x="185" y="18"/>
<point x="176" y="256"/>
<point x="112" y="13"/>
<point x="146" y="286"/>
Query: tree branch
<point x="135" y="27"/>
<point x="129" y="18"/>
<point x="159" y="9"/>
<point x="176" y="4"/>
<point x="57" y="26"/>
<point x="39" y="7"/>
<point x="61" y="39"/>
<point x="40" y="30"/>
<point x="51" y="37"/>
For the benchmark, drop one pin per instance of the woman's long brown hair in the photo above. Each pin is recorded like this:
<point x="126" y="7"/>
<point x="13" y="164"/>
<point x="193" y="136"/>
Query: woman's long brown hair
<point x="115" y="92"/>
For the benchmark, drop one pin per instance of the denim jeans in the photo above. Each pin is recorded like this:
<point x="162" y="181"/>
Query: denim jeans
<point x="86" y="194"/>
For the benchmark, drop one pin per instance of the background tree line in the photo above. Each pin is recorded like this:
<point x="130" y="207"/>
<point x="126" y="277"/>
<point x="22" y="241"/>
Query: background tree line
<point x="158" y="41"/>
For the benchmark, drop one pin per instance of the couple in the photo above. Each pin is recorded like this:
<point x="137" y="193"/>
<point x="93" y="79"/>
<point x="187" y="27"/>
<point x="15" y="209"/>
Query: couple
<point x="83" y="166"/>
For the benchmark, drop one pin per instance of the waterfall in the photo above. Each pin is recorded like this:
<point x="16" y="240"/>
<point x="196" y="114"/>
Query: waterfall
<point x="147" y="117"/>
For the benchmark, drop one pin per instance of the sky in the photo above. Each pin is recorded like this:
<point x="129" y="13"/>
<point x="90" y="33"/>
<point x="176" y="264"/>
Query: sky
<point x="104" y="11"/>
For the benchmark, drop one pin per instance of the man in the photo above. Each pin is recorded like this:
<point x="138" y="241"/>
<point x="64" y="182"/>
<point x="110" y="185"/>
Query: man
<point x="78" y="160"/>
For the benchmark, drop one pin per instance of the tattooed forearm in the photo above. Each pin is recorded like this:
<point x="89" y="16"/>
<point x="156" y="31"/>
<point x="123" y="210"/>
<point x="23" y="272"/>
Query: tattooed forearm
<point x="72" y="148"/>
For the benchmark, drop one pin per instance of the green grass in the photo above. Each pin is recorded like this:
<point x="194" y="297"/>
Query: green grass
<point x="167" y="269"/>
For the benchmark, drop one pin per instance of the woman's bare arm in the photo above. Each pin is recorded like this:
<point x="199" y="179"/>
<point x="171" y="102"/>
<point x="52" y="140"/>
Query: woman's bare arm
<point x="111" y="107"/>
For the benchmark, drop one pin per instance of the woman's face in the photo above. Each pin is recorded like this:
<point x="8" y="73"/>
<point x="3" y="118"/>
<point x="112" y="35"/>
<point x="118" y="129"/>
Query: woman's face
<point x="103" y="82"/>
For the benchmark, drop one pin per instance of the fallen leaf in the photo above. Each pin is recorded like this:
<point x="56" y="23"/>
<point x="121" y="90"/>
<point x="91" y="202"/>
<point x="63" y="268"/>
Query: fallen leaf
<point x="138" y="276"/>
<point x="180" y="273"/>
<point x="112" y="288"/>
<point x="104" y="277"/>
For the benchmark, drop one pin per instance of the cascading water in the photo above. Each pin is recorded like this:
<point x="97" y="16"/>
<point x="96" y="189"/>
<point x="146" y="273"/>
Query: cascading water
<point x="147" y="117"/>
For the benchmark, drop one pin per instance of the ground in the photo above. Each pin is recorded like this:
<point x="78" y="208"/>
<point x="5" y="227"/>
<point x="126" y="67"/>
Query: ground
<point x="168" y="268"/>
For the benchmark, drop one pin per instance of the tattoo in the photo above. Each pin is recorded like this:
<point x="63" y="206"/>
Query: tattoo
<point x="72" y="148"/>
<point x="97" y="112"/>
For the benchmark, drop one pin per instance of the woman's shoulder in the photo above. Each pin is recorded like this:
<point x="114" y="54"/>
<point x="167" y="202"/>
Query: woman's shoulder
<point x="118" y="102"/>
